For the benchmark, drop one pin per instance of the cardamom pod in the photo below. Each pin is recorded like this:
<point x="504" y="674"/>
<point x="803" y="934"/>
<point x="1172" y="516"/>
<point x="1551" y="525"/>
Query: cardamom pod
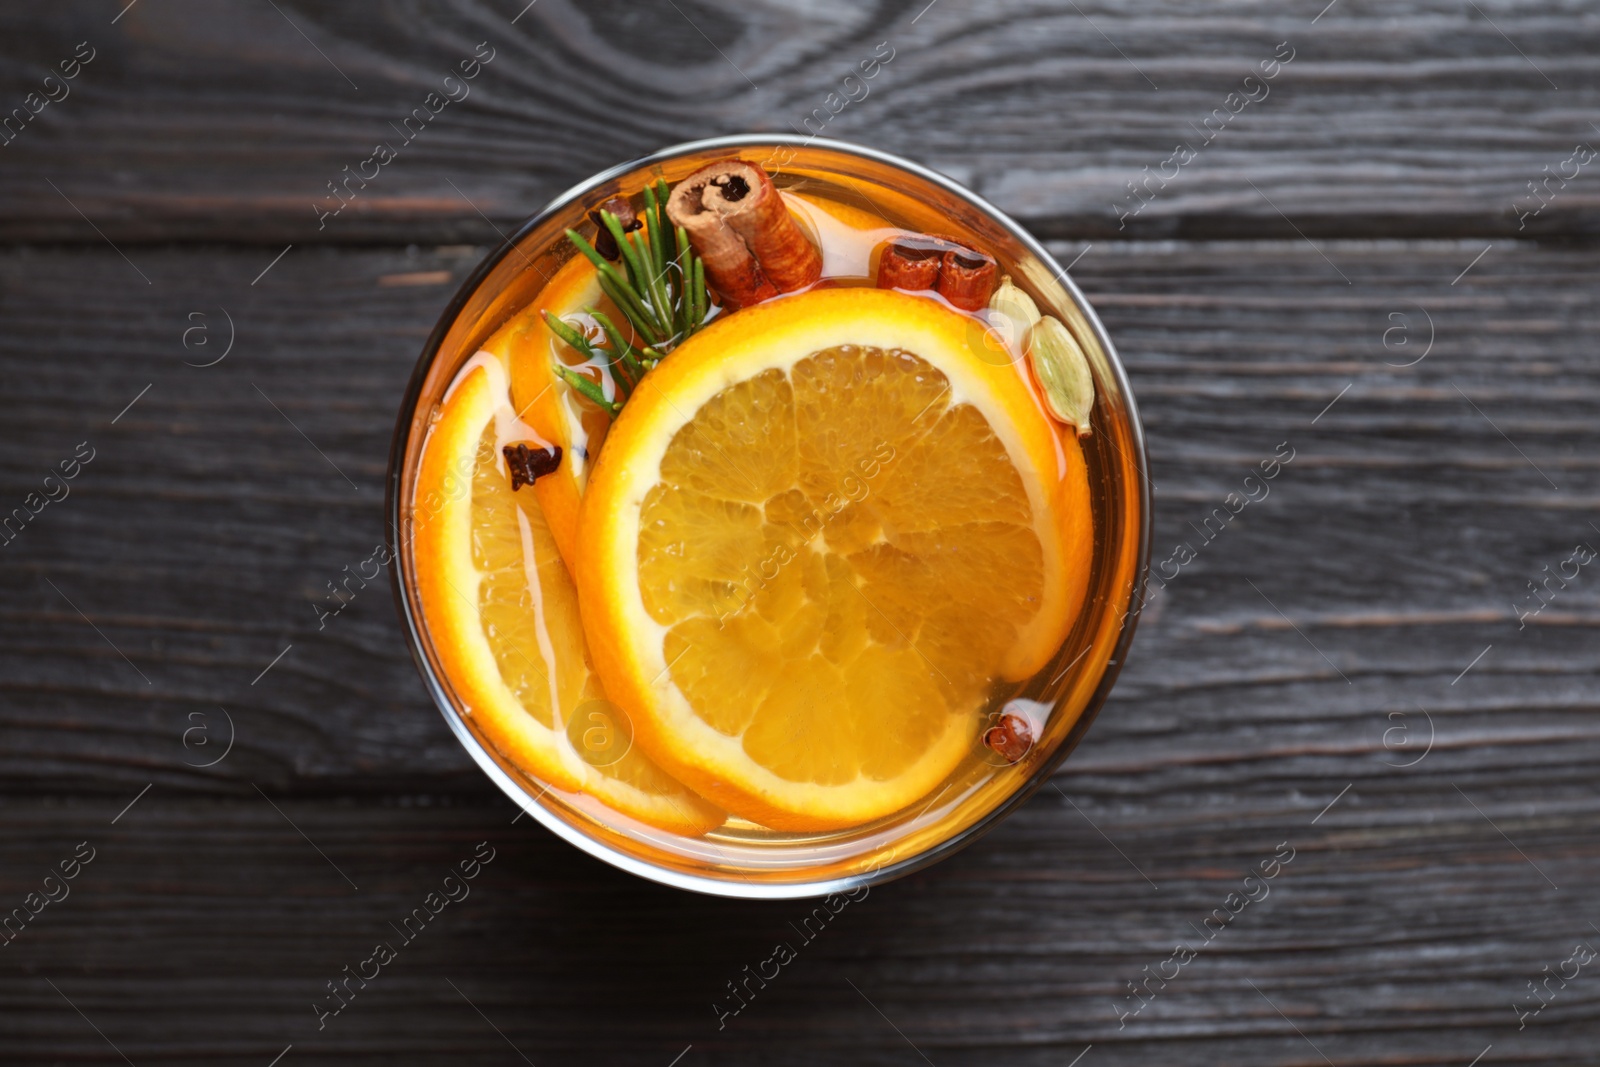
<point x="1019" y="313"/>
<point x="1063" y="372"/>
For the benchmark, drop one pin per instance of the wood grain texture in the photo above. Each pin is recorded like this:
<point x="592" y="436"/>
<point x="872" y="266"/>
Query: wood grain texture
<point x="1425" y="118"/>
<point x="1399" y="539"/>
<point x="204" y="930"/>
<point x="1395" y="544"/>
<point x="1340" y="670"/>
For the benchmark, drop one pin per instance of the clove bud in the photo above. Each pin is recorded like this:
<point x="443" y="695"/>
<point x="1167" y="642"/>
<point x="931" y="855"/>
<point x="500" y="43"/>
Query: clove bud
<point x="530" y="462"/>
<point x="604" y="243"/>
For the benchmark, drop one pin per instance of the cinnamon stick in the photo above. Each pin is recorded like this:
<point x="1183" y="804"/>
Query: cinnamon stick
<point x="910" y="263"/>
<point x="741" y="229"/>
<point x="926" y="262"/>
<point x="967" y="278"/>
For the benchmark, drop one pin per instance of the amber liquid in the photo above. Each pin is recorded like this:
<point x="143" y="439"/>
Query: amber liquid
<point x="850" y="220"/>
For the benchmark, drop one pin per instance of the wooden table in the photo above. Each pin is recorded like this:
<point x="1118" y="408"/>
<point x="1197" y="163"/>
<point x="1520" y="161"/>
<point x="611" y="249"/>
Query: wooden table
<point x="1350" y="266"/>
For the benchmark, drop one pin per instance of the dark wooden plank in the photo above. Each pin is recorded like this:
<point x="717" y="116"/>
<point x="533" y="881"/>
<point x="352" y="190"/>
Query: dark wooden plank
<point x="1397" y="541"/>
<point x="1424" y="118"/>
<point x="1401" y="932"/>
<point x="200" y="540"/>
<point x="1341" y="668"/>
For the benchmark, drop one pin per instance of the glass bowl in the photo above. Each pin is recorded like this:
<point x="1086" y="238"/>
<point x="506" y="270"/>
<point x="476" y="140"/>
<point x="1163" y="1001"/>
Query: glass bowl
<point x="734" y="861"/>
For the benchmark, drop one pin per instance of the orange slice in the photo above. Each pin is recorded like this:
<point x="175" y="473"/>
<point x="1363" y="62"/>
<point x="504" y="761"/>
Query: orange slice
<point x="503" y="614"/>
<point x="558" y="415"/>
<point x="819" y="534"/>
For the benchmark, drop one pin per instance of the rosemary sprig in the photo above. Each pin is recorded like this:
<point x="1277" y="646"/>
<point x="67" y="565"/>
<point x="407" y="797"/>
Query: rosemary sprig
<point x="660" y="289"/>
<point x="594" y="391"/>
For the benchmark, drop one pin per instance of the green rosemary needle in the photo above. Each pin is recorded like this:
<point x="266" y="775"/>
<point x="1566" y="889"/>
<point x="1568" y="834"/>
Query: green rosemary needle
<point x="588" y="389"/>
<point x="635" y="360"/>
<point x="622" y="384"/>
<point x="659" y="286"/>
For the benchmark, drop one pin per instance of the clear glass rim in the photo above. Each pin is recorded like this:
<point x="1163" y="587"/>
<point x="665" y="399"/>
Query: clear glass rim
<point x="410" y="611"/>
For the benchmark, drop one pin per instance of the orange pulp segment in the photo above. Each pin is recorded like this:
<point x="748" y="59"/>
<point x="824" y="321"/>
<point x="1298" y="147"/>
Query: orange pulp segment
<point x="558" y="416"/>
<point x="502" y="611"/>
<point x="820" y="532"/>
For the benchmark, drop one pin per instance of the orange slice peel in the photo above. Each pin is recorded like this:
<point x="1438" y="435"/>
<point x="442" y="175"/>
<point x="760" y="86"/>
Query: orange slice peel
<point x="502" y="614"/>
<point x="821" y="533"/>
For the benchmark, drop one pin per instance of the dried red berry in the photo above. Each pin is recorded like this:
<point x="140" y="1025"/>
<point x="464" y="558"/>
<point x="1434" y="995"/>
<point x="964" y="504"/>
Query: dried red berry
<point x="1012" y="737"/>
